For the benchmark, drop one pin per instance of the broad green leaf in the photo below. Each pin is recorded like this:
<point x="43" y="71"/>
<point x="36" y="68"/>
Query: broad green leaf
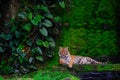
<point x="48" y="15"/>
<point x="57" y="19"/>
<point x="1" y="49"/>
<point x="3" y="35"/>
<point x="32" y="67"/>
<point x="17" y="34"/>
<point x="51" y="41"/>
<point x="47" y="23"/>
<point x="37" y="7"/>
<point x="49" y="55"/>
<point x="43" y="31"/>
<point x="8" y="37"/>
<point x="37" y="50"/>
<point x="13" y="49"/>
<point x="33" y="51"/>
<point x="22" y="54"/>
<point x="49" y="38"/>
<point x="29" y="42"/>
<point x="39" y="42"/>
<point x="30" y="16"/>
<point x="11" y="44"/>
<point x="46" y="44"/>
<point x="44" y="8"/>
<point x="62" y="4"/>
<point x="30" y="59"/>
<point x="27" y="27"/>
<point x="39" y="58"/>
<point x="20" y="46"/>
<point x="36" y="19"/>
<point x="22" y="15"/>
<point x="34" y="22"/>
<point x="13" y="28"/>
<point x="21" y="60"/>
<point x="52" y="44"/>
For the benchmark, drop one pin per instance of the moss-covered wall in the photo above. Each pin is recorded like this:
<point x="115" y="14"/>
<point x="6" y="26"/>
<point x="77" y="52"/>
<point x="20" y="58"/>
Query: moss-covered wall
<point x="90" y="29"/>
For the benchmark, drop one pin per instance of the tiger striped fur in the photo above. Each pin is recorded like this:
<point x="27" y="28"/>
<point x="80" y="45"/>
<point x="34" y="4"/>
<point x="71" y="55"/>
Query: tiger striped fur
<point x="67" y="58"/>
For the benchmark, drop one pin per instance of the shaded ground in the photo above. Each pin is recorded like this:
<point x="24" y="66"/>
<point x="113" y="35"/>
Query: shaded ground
<point x="107" y="75"/>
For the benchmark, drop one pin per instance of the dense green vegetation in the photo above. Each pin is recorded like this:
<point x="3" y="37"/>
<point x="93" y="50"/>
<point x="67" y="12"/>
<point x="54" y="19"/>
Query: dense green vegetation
<point x="89" y="28"/>
<point x="46" y="75"/>
<point x="27" y="37"/>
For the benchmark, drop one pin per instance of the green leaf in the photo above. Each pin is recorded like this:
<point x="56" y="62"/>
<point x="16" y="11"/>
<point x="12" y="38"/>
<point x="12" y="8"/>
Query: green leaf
<point x="39" y="42"/>
<point x="21" y="60"/>
<point x="52" y="44"/>
<point x="49" y="38"/>
<point x="34" y="22"/>
<point x="48" y="15"/>
<point x="22" y="54"/>
<point x="20" y="46"/>
<point x="13" y="28"/>
<point x="37" y="50"/>
<point x="49" y="53"/>
<point x="27" y="27"/>
<point x="11" y="44"/>
<point x="1" y="49"/>
<point x="43" y="31"/>
<point x="8" y="37"/>
<point x="30" y="16"/>
<point x="31" y="67"/>
<point x="62" y="4"/>
<point x="36" y="19"/>
<point x="29" y="42"/>
<point x="51" y="41"/>
<point x="3" y="35"/>
<point x="17" y="34"/>
<point x="22" y="15"/>
<point x="39" y="58"/>
<point x="57" y="19"/>
<point x="31" y="59"/>
<point x="46" y="44"/>
<point x="13" y="49"/>
<point x="44" y="8"/>
<point x="47" y="23"/>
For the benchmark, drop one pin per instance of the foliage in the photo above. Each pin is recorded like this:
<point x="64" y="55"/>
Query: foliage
<point x="1" y="78"/>
<point x="53" y="75"/>
<point x="90" y="28"/>
<point x="30" y="37"/>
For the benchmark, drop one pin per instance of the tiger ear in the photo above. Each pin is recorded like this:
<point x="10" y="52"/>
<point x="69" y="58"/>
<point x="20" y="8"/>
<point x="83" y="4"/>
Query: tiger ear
<point x="66" y="47"/>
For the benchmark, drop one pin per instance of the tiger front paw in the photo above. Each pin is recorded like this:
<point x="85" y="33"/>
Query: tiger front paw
<point x="70" y="65"/>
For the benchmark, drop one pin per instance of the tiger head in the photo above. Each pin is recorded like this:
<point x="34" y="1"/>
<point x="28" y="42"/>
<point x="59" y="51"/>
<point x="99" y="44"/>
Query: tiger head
<point x="63" y="52"/>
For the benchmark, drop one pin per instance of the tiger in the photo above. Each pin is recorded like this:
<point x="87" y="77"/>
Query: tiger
<point x="68" y="59"/>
